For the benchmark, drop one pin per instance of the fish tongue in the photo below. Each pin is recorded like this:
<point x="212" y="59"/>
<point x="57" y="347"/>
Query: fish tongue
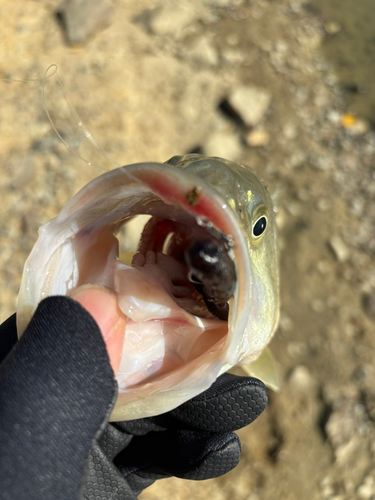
<point x="143" y="295"/>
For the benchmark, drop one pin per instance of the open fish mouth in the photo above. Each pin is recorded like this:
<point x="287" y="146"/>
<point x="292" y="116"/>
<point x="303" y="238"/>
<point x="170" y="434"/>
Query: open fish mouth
<point x="191" y="262"/>
<point x="184" y="295"/>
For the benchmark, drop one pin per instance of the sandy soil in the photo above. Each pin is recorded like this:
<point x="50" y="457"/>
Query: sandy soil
<point x="152" y="85"/>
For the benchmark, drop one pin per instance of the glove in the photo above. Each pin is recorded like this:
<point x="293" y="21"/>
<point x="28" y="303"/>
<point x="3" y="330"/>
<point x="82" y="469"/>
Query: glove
<point x="57" y="390"/>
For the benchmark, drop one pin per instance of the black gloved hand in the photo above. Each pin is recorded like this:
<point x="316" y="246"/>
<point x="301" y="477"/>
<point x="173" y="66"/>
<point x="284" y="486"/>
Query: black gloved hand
<point x="56" y="393"/>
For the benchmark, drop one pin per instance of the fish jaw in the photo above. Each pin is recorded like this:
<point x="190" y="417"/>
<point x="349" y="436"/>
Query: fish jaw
<point x="62" y="261"/>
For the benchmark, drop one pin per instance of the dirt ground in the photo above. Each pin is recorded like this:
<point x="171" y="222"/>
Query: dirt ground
<point x="156" y="83"/>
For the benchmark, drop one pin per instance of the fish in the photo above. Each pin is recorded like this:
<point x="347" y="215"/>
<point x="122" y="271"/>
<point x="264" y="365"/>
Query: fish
<point x="198" y="297"/>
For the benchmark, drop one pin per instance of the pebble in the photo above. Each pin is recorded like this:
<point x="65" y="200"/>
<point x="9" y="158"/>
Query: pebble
<point x="357" y="206"/>
<point x="359" y="127"/>
<point x="223" y="144"/>
<point x="203" y="53"/>
<point x="300" y="378"/>
<point x="366" y="490"/>
<point x="341" y="428"/>
<point x="258" y="138"/>
<point x="251" y="104"/>
<point x="290" y="131"/>
<point x="323" y="205"/>
<point x="334" y="117"/>
<point x="82" y="19"/>
<point x="339" y="248"/>
<point x="346" y="452"/>
<point x="332" y="28"/>
<point x="294" y="208"/>
<point x="172" y="20"/>
<point x="354" y="126"/>
<point x="233" y="56"/>
<point x="286" y="323"/>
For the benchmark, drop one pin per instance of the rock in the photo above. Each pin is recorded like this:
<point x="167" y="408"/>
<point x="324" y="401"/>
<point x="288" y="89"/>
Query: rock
<point x="332" y="28"/>
<point x="354" y="126"/>
<point x="286" y="323"/>
<point x="232" y="56"/>
<point x="250" y="103"/>
<point x="290" y="131"/>
<point x="203" y="53"/>
<point x="258" y="138"/>
<point x="366" y="490"/>
<point x="334" y="117"/>
<point x="171" y="20"/>
<point x="357" y="206"/>
<point x="359" y="127"/>
<point x="300" y="378"/>
<point x="339" y="248"/>
<point x="223" y="144"/>
<point x="323" y="205"/>
<point x="81" y="19"/>
<point x="341" y="426"/>
<point x="294" y="208"/>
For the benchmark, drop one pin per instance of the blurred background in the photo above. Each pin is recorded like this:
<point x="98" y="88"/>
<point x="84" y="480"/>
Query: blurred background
<point x="152" y="79"/>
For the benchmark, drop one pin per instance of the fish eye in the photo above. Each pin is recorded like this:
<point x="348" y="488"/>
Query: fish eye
<point x="260" y="226"/>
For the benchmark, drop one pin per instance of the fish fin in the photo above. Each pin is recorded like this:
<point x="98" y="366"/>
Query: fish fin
<point x="265" y="369"/>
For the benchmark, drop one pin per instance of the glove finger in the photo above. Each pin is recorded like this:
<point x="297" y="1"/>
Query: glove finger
<point x="56" y="392"/>
<point x="104" y="482"/>
<point x="231" y="403"/>
<point x="186" y="454"/>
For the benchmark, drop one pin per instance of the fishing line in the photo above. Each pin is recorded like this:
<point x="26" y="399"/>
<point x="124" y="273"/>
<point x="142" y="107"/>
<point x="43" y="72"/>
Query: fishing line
<point x="27" y="80"/>
<point x="77" y="119"/>
<point x="48" y="74"/>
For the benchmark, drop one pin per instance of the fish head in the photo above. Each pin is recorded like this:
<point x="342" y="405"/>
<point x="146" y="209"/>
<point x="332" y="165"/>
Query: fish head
<point x="173" y="347"/>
